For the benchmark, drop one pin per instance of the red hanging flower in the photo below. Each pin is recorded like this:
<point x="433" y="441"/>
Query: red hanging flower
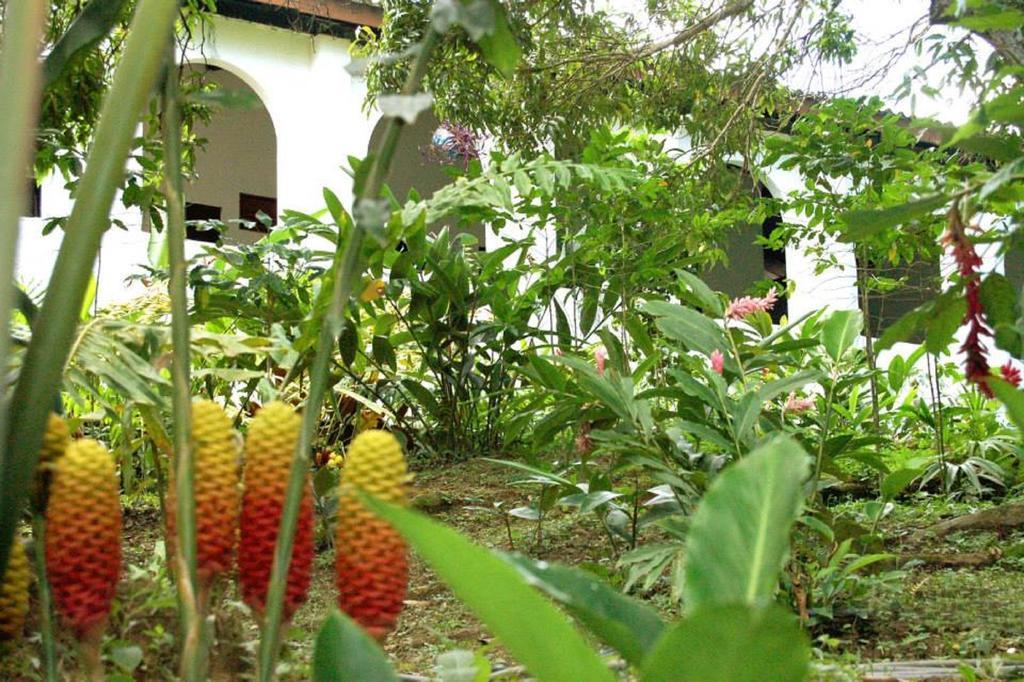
<point x="1011" y="374"/>
<point x="976" y="367"/>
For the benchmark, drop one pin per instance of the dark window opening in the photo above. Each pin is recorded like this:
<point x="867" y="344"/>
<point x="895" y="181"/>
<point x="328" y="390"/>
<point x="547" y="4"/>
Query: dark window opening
<point x="35" y="200"/>
<point x="250" y="205"/>
<point x="774" y="261"/>
<point x="912" y="285"/>
<point x="195" y="217"/>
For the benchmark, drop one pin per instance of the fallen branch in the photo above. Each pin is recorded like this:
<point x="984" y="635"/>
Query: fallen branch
<point x="1007" y="516"/>
<point x="956" y="559"/>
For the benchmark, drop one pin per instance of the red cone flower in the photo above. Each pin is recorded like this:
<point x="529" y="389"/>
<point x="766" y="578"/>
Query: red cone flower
<point x="269" y="447"/>
<point x="83" y="537"/>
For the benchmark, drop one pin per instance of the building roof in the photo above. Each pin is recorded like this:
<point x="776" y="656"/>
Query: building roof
<point x="339" y="18"/>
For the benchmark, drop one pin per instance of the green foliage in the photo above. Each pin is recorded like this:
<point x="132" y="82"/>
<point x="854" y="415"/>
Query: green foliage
<point x="533" y="630"/>
<point x="629" y="626"/>
<point x="748" y="645"/>
<point x="345" y="653"/>
<point x="739" y="535"/>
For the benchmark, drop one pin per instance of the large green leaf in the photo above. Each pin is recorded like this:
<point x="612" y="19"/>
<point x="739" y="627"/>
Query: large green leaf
<point x="344" y="652"/>
<point x="499" y="45"/>
<point x="700" y="293"/>
<point x="533" y="630"/>
<point x="698" y="332"/>
<point x="731" y="644"/>
<point x="862" y="223"/>
<point x="630" y="626"/>
<point x="1012" y="397"/>
<point x="88" y="29"/>
<point x="739" y="535"/>
<point x="840" y="330"/>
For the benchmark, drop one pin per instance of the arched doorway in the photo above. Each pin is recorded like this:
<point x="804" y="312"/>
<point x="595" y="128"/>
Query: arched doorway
<point x="747" y="261"/>
<point x="417" y="165"/>
<point x="235" y="177"/>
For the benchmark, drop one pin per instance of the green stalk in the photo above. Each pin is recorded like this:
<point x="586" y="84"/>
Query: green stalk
<point x="45" y="599"/>
<point x="192" y="649"/>
<point x="20" y="87"/>
<point x="333" y="323"/>
<point x="54" y="330"/>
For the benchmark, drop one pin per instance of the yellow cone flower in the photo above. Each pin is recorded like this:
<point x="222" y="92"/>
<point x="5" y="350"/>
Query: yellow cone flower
<point x="216" y="490"/>
<point x="371" y="565"/>
<point x="14" y="593"/>
<point x="83" y="536"/>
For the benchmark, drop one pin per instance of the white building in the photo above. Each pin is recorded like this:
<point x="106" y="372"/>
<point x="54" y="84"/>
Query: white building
<point x="309" y="118"/>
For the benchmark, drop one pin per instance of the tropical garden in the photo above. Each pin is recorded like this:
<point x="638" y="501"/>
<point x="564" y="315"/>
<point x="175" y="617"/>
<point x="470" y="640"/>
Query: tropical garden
<point x="362" y="448"/>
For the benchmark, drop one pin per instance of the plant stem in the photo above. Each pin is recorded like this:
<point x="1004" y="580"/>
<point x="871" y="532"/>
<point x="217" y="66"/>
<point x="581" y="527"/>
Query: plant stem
<point x="42" y="369"/>
<point x="20" y="85"/>
<point x="826" y="427"/>
<point x="45" y="599"/>
<point x="192" y="649"/>
<point x="347" y="270"/>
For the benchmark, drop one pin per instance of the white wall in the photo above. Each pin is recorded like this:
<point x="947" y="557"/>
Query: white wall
<point x="240" y="155"/>
<point x="315" y="107"/>
<point x="314" y="103"/>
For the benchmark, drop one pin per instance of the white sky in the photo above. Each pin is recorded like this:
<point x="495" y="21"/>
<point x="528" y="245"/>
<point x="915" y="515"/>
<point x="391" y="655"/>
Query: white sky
<point x="882" y="26"/>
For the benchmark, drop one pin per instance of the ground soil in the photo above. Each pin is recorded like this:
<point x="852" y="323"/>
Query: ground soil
<point x="901" y="612"/>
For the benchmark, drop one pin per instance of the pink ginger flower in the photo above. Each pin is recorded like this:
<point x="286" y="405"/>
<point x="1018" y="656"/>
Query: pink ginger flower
<point x="717" y="361"/>
<point x="797" y="405"/>
<point x="739" y="308"/>
<point x="600" y="356"/>
<point x="1011" y="374"/>
<point x="584" y="443"/>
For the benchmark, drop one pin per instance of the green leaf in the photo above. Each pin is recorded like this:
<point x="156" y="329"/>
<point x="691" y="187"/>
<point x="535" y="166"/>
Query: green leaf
<point x="863" y="223"/>
<point x="126" y="656"/>
<point x="700" y="293"/>
<point x="777" y="387"/>
<point x="698" y="332"/>
<point x="344" y="652"/>
<point x="533" y="630"/>
<point x="459" y="665"/>
<point x="731" y="644"/>
<point x="499" y="45"/>
<point x="424" y="396"/>
<point x="325" y="481"/>
<point x="999" y="299"/>
<point x="944" y="319"/>
<point x="897" y="481"/>
<point x="562" y="329"/>
<point x="335" y="208"/>
<point x="588" y="311"/>
<point x="1012" y="397"/>
<point x="746" y="414"/>
<point x="630" y="626"/>
<point x="839" y="331"/>
<point x="384" y="352"/>
<point x="348" y="342"/>
<point x="739" y="535"/>
<point x="87" y="31"/>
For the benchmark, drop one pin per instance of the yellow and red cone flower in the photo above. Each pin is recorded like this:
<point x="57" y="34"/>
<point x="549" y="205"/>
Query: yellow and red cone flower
<point x="83" y="536"/>
<point x="371" y="565"/>
<point x="216" y="491"/>
<point x="269" y="447"/>
<point x="56" y="440"/>
<point x="14" y="593"/>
